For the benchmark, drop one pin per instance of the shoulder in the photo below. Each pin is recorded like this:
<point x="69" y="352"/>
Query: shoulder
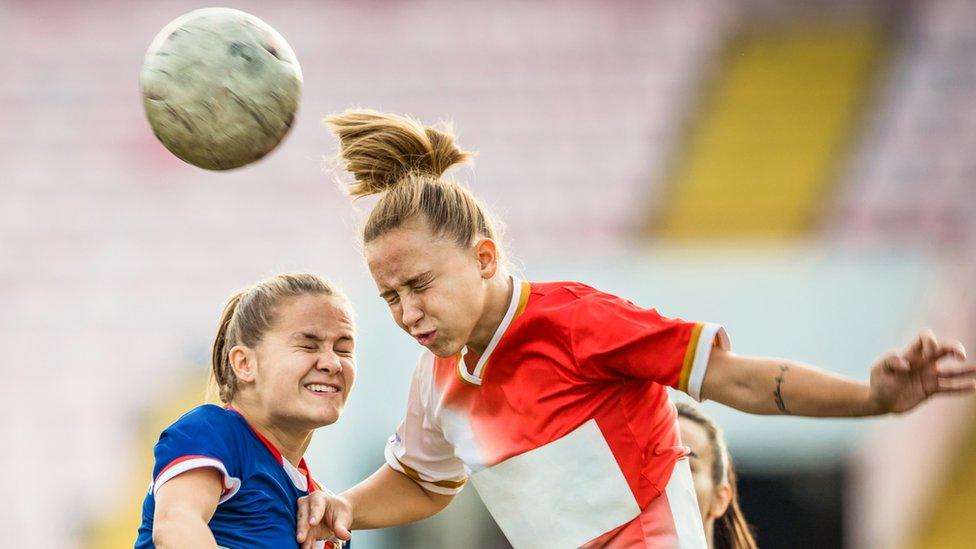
<point x="206" y="436"/>
<point x="565" y="293"/>
<point x="429" y="368"/>
<point x="210" y="414"/>
<point x="564" y="289"/>
<point x="207" y="418"/>
<point x="563" y="302"/>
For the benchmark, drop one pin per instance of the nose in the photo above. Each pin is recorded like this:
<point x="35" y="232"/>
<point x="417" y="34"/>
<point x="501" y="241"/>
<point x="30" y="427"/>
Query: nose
<point x="329" y="362"/>
<point x="411" y="312"/>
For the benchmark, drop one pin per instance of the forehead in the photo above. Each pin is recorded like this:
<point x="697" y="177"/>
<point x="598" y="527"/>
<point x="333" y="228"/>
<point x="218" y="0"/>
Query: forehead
<point x="324" y="312"/>
<point x="695" y="436"/>
<point x="404" y="252"/>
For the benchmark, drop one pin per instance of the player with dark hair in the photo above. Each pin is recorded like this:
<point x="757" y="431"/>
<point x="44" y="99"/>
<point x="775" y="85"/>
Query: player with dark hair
<point x="715" y="480"/>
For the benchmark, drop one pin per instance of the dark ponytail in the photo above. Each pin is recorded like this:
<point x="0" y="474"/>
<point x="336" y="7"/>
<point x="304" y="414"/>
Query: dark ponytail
<point x="731" y="531"/>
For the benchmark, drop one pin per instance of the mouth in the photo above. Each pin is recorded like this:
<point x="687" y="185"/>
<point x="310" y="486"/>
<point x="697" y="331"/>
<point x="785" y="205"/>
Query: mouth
<point x="425" y="338"/>
<point x="323" y="389"/>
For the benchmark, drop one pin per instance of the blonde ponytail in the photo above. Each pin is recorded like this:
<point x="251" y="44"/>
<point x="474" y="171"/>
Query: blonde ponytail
<point x="381" y="150"/>
<point x="399" y="157"/>
<point x="221" y="376"/>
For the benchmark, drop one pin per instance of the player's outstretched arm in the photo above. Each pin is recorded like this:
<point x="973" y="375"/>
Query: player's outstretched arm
<point x="387" y="498"/>
<point x="899" y="382"/>
<point x="184" y="506"/>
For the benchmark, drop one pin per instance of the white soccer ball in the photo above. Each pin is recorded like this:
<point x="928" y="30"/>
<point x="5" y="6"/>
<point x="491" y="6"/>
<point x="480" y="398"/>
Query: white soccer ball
<point x="220" y="87"/>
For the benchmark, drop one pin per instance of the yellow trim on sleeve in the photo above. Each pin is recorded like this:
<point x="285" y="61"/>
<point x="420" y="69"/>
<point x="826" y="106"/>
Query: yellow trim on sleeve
<point x="689" y="357"/>
<point x="415" y="476"/>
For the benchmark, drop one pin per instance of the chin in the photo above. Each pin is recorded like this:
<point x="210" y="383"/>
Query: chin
<point x="326" y="423"/>
<point x="320" y="418"/>
<point x="444" y="349"/>
<point x="329" y="418"/>
<point x="443" y="352"/>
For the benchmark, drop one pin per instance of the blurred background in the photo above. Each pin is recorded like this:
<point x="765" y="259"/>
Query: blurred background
<point x="802" y="172"/>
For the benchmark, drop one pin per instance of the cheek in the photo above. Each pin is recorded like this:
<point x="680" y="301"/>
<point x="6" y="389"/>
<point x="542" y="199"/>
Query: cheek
<point x="459" y="302"/>
<point x="349" y="374"/>
<point x="703" y="489"/>
<point x="397" y="313"/>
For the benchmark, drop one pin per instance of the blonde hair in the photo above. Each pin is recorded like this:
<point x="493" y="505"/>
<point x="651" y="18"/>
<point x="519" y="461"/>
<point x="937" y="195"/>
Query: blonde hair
<point x="248" y="315"/>
<point x="404" y="160"/>
<point x="731" y="529"/>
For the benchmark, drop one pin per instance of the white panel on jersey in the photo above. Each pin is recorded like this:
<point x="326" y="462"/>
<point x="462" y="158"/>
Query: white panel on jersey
<point x="560" y="495"/>
<point x="684" y="507"/>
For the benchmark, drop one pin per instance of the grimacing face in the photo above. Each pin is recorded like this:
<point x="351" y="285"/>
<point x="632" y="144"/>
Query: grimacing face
<point x="304" y="364"/>
<point x="435" y="289"/>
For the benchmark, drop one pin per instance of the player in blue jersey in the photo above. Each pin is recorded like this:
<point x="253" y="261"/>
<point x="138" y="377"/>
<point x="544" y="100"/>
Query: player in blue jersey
<point x="231" y="476"/>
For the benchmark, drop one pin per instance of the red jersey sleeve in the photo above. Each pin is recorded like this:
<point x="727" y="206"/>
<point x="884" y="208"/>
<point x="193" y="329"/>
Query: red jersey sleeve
<point x="613" y="338"/>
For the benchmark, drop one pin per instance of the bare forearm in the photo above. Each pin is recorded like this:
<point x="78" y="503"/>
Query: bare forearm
<point x="777" y="386"/>
<point x="389" y="498"/>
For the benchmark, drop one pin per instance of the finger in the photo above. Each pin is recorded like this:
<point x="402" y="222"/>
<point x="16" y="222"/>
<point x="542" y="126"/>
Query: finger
<point x="341" y="528"/>
<point x="951" y="347"/>
<point x="923" y="346"/>
<point x="957" y="385"/>
<point x="316" y="510"/>
<point x="302" y="519"/>
<point x="893" y="362"/>
<point x="957" y="369"/>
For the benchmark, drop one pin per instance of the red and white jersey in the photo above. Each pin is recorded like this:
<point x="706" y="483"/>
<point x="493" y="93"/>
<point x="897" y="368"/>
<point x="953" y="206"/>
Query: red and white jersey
<point x="563" y="424"/>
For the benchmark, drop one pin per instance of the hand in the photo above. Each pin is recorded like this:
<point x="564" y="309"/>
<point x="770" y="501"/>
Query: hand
<point x="323" y="515"/>
<point x="900" y="382"/>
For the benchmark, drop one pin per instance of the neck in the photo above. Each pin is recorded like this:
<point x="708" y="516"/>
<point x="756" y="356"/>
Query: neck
<point x="292" y="443"/>
<point x="500" y="288"/>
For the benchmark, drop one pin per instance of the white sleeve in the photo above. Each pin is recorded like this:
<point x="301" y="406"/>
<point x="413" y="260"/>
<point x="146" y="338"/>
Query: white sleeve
<point x="188" y="463"/>
<point x="418" y="449"/>
<point x="712" y="335"/>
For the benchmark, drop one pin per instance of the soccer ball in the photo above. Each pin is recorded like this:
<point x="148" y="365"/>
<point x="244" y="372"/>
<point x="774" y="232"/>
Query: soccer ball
<point x="220" y="87"/>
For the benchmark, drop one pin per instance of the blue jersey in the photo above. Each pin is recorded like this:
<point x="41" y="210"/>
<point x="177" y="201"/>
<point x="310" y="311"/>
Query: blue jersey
<point x="258" y="506"/>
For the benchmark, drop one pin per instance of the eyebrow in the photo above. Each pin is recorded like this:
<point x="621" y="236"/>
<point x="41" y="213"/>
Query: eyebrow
<point x="409" y="282"/>
<point x="306" y="335"/>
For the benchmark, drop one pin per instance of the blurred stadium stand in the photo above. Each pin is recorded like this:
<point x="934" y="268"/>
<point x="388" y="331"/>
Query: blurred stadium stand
<point x="746" y="162"/>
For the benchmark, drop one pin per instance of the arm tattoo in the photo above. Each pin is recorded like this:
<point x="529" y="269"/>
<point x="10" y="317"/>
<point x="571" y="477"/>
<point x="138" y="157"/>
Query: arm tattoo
<point x="778" y="392"/>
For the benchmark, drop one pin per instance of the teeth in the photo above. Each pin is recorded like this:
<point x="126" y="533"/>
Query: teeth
<point x="322" y="388"/>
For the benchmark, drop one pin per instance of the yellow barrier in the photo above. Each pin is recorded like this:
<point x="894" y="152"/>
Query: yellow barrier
<point x="773" y="127"/>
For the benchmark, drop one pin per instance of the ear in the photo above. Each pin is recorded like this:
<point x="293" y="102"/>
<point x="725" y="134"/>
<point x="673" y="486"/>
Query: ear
<point x="242" y="361"/>
<point x="721" y="500"/>
<point x="487" y="253"/>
